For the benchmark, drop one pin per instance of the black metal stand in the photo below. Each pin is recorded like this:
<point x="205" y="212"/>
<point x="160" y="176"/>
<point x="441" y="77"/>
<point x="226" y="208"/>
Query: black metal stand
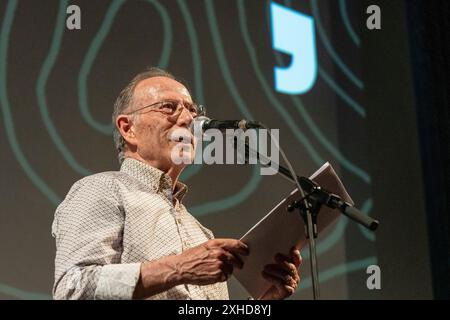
<point x="309" y="211"/>
<point x="313" y="197"/>
<point x="318" y="196"/>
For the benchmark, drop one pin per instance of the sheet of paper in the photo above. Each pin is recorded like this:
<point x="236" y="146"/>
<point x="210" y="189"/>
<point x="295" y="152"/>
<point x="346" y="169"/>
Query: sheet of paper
<point x="280" y="230"/>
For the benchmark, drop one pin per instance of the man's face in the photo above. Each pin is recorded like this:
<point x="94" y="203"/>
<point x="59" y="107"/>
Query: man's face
<point x="159" y="136"/>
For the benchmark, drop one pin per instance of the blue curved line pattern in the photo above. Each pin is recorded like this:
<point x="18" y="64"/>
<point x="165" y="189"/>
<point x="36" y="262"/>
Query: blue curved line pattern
<point x="41" y="88"/>
<point x="357" y="171"/>
<point x="223" y="64"/>
<point x="87" y="65"/>
<point x="95" y="47"/>
<point x="192" y="170"/>
<point x="8" y="121"/>
<point x="341" y="93"/>
<point x="323" y="37"/>
<point x="325" y="244"/>
<point x="250" y="187"/>
<point x="367" y="205"/>
<point x="366" y="208"/>
<point x="339" y="270"/>
<point x="339" y="230"/>
<point x="230" y="201"/>
<point x="351" y="32"/>
<point x="22" y="294"/>
<point x="299" y="106"/>
<point x="212" y="206"/>
<point x="329" y="81"/>
<point x="195" y="48"/>
<point x="299" y="135"/>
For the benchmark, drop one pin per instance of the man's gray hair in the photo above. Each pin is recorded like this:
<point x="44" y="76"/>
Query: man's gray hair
<point x="124" y="103"/>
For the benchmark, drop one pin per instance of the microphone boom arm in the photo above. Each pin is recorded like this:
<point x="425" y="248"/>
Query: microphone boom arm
<point x="317" y="194"/>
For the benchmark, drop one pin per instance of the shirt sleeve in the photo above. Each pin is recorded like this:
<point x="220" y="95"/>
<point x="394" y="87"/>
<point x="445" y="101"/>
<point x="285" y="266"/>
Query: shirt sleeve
<point x="88" y="228"/>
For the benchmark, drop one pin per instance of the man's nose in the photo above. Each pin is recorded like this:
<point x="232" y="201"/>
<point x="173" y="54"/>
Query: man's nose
<point x="185" y="118"/>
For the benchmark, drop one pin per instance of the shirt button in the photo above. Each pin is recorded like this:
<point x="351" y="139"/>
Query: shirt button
<point x="179" y="220"/>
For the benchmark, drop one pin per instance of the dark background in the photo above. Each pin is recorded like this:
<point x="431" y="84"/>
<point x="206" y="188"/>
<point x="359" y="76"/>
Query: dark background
<point x="378" y="112"/>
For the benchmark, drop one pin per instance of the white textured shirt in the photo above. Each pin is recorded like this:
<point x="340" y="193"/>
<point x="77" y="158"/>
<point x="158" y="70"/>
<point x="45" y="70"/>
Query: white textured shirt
<point x="111" y="222"/>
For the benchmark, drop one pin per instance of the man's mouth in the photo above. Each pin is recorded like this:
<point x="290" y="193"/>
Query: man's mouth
<point x="181" y="136"/>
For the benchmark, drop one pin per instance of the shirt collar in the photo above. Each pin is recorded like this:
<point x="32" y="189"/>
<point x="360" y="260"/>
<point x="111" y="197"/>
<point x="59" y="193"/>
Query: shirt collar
<point x="154" y="178"/>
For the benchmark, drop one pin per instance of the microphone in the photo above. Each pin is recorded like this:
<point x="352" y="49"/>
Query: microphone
<point x="205" y="123"/>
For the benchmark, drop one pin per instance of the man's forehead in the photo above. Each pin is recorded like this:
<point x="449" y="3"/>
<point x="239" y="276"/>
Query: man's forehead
<point x="157" y="87"/>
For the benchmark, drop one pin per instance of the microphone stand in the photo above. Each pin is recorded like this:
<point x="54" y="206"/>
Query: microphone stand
<point x="313" y="197"/>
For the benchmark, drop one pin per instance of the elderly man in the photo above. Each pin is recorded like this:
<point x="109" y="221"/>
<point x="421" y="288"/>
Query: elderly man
<point x="126" y="234"/>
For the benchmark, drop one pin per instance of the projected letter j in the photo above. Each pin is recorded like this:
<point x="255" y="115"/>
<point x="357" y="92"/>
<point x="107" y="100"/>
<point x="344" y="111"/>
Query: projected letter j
<point x="293" y="33"/>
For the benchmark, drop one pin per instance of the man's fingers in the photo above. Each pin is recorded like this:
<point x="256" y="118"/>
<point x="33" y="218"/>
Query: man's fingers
<point x="233" y="245"/>
<point x="288" y="266"/>
<point x="227" y="270"/>
<point x="230" y="258"/>
<point x="296" y="257"/>
<point x="238" y="261"/>
<point x="237" y="246"/>
<point x="282" y="275"/>
<point x="284" y="289"/>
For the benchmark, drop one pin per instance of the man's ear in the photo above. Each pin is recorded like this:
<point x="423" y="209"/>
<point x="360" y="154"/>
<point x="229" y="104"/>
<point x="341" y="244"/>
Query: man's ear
<point x="126" y="128"/>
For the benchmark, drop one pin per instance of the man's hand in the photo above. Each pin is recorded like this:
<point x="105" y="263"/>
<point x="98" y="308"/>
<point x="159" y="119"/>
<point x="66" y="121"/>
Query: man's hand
<point x="210" y="262"/>
<point x="283" y="275"/>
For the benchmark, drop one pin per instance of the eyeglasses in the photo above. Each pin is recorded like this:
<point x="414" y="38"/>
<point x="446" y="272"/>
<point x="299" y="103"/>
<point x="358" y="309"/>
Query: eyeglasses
<point x="170" y="107"/>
